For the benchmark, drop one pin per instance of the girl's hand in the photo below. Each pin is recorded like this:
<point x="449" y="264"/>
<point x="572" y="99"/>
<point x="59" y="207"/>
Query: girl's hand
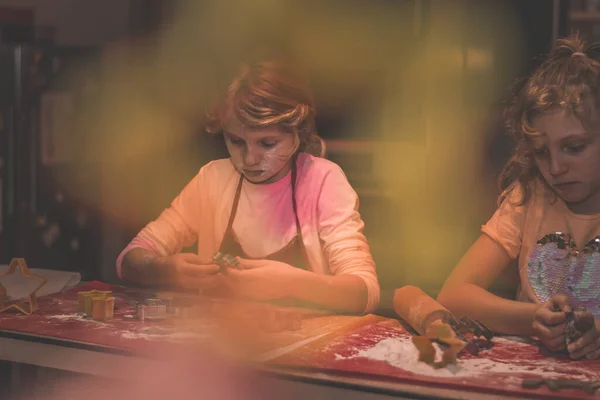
<point x="188" y="270"/>
<point x="262" y="279"/>
<point x="549" y="322"/>
<point x="587" y="346"/>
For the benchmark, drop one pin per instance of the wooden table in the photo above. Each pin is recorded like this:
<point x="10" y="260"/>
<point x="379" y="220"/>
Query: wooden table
<point x="330" y="357"/>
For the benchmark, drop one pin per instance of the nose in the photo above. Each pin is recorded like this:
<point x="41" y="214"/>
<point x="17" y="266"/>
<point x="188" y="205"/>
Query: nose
<point x="558" y="165"/>
<point x="251" y="156"/>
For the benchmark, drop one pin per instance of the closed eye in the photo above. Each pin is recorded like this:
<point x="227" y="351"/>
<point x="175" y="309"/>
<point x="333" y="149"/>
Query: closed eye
<point x="540" y="151"/>
<point x="268" y="144"/>
<point x="234" y="140"/>
<point x="575" y="149"/>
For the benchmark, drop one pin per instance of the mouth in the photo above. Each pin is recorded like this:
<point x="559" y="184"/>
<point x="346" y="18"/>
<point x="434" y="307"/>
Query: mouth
<point x="248" y="172"/>
<point x="564" y="185"/>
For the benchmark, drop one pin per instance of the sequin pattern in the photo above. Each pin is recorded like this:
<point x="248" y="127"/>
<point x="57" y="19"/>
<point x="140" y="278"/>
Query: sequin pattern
<point x="557" y="266"/>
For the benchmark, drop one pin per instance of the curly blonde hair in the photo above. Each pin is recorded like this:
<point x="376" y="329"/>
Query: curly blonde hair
<point x="567" y="80"/>
<point x="270" y="93"/>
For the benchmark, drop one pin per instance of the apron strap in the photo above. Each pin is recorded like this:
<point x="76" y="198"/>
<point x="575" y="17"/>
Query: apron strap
<point x="294" y="205"/>
<point x="236" y="200"/>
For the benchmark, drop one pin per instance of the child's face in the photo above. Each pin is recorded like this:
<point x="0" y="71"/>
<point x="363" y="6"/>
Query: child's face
<point x="262" y="155"/>
<point x="568" y="158"/>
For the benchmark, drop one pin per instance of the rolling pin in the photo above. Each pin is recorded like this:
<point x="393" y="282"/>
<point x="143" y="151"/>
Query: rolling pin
<point x="418" y="309"/>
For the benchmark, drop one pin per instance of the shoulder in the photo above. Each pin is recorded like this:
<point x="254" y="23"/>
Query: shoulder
<point x="325" y="182"/>
<point x="523" y="198"/>
<point x="320" y="169"/>
<point x="519" y="205"/>
<point x="216" y="172"/>
<point x="214" y="176"/>
<point x="217" y="168"/>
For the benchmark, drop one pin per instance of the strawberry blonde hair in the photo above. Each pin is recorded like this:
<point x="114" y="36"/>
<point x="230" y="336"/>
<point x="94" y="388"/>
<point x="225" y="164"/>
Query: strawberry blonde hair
<point x="269" y="93"/>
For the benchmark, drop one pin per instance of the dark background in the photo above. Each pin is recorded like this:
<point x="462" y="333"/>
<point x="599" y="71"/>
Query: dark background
<point x="47" y="214"/>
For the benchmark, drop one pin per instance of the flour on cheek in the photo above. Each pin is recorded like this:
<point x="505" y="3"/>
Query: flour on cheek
<point x="269" y="161"/>
<point x="275" y="159"/>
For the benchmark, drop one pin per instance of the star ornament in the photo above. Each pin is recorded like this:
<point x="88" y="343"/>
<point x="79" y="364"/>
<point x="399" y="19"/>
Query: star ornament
<point x="19" y="264"/>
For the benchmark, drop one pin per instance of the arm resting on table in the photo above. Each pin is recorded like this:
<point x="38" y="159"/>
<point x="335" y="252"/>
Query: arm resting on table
<point x="465" y="292"/>
<point x="354" y="277"/>
<point x="343" y="293"/>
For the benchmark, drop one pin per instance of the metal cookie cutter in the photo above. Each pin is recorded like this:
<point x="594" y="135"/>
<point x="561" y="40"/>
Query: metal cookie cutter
<point x="578" y="322"/>
<point x="150" y="309"/>
<point x="155" y="309"/>
<point x="225" y="261"/>
<point x="466" y="325"/>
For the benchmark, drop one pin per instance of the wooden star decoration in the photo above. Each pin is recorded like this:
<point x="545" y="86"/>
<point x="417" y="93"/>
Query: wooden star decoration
<point x="21" y="265"/>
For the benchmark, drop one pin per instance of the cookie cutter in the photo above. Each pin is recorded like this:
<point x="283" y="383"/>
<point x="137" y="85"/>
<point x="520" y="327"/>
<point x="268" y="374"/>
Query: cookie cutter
<point x="225" y="261"/>
<point x="150" y="309"/>
<point x="445" y="337"/>
<point x="578" y="322"/>
<point x="31" y="306"/>
<point x="482" y="335"/>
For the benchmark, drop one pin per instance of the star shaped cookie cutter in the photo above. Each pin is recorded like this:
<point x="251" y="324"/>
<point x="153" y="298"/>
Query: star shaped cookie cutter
<point x="21" y="265"/>
<point x="442" y="334"/>
<point x="453" y="337"/>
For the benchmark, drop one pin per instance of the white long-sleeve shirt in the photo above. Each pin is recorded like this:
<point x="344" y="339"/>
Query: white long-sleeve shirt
<point x="264" y="223"/>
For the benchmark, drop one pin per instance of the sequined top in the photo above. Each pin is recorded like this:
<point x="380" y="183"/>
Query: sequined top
<point x="558" y="251"/>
